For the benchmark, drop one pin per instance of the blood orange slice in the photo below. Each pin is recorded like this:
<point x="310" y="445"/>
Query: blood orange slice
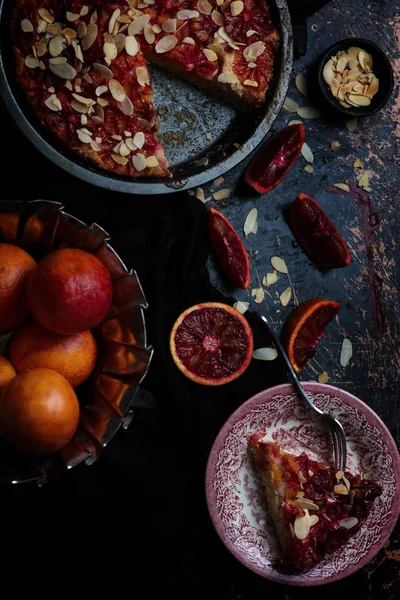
<point x="229" y="249"/>
<point x="305" y="327"/>
<point x="211" y="343"/>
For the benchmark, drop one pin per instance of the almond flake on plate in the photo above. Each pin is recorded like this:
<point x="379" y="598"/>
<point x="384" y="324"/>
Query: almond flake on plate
<point x="270" y="279"/>
<point x="301" y="84"/>
<point x="265" y="354"/>
<point x="358" y="164"/>
<point x="323" y="377"/>
<point x="286" y="296"/>
<point x="217" y="182"/>
<point x="308" y="112"/>
<point x="221" y="194"/>
<point x="295" y="122"/>
<point x="250" y="221"/>
<point x="290" y="105"/>
<point x="309" y="169"/>
<point x="279" y="264"/>
<point x="258" y="295"/>
<point x="200" y="194"/>
<point x="346" y="352"/>
<point x="241" y="306"/>
<point x="348" y="523"/>
<point x="351" y="125"/>
<point x="342" y="186"/>
<point x="307" y="153"/>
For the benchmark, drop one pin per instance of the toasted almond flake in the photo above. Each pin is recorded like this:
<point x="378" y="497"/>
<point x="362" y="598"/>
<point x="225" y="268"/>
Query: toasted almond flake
<point x="301" y="477"/>
<point x="221" y="194"/>
<point x="104" y="102"/>
<point x="188" y="40"/>
<point x="90" y="37"/>
<point x="323" y="377"/>
<point x="103" y="70"/>
<point x="218" y="18"/>
<point x="308" y="112"/>
<point x="307" y="153"/>
<point x="139" y="162"/>
<point x="302" y="526"/>
<point x="250" y="221"/>
<point x="363" y="179"/>
<point x="358" y="164"/>
<point x="40" y="48"/>
<point x="169" y="25"/>
<point x="101" y="89"/>
<point x="241" y="306"/>
<point x="348" y="523"/>
<point x="200" y="194"/>
<point x="346" y="482"/>
<point x="123" y="149"/>
<point x="117" y="91"/>
<point x="183" y="15"/>
<point x="77" y="50"/>
<point x="121" y="160"/>
<point x="93" y="17"/>
<point x="131" y="45"/>
<point x="301" y="84"/>
<point x="230" y="78"/>
<point x="71" y="17"/>
<point x="250" y="82"/>
<point x="279" y="264"/>
<point x="346" y="352"/>
<point x="270" y="278"/>
<point x="253" y="51"/>
<point x="309" y="169"/>
<point x="53" y="103"/>
<point x="351" y="125"/>
<point x="313" y="520"/>
<point x="110" y="51"/>
<point x="202" y="162"/>
<point x="335" y="145"/>
<point x="295" y="122"/>
<point x="204" y="7"/>
<point x="151" y="161"/>
<point x="290" y="105"/>
<point x="113" y="20"/>
<point x="149" y="34"/>
<point x="56" y="46"/>
<point x="62" y="70"/>
<point x="210" y="55"/>
<point x="83" y="120"/>
<point x="119" y="41"/>
<point x="130" y="144"/>
<point x="286" y="296"/>
<point x="265" y="354"/>
<point x="217" y="182"/>
<point x="341" y="489"/>
<point x="82" y="100"/>
<point x="258" y="295"/>
<point x="79" y="107"/>
<point x="142" y="75"/>
<point x="138" y="139"/>
<point x="165" y="44"/>
<point x="342" y="186"/>
<point x="51" y="90"/>
<point x="26" y="26"/>
<point x="31" y="61"/>
<point x="95" y="146"/>
<point x="222" y="33"/>
<point x="70" y="34"/>
<point x="138" y="24"/>
<point x="83" y="137"/>
<point x="54" y="29"/>
<point x="117" y="137"/>
<point x="68" y="85"/>
<point x="236" y="7"/>
<point x="156" y="28"/>
<point x="84" y="10"/>
<point x="358" y="100"/>
<point x="306" y="503"/>
<point x="339" y="475"/>
<point x="46" y="15"/>
<point x="328" y="72"/>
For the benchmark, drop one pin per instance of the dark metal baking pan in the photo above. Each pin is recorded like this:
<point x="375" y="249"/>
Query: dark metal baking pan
<point x="194" y="124"/>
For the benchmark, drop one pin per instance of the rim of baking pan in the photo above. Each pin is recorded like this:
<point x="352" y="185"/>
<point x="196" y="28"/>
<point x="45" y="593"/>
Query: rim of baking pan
<point x="72" y="165"/>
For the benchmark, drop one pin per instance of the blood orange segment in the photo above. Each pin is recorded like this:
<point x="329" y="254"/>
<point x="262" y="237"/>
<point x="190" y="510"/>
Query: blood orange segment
<point x="211" y="343"/>
<point x="305" y="327"/>
<point x="275" y="159"/>
<point x="229" y="249"/>
<point x="317" y="235"/>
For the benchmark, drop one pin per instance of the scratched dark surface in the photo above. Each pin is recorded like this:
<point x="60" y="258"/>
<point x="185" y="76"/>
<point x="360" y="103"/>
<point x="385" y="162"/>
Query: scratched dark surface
<point x="373" y="374"/>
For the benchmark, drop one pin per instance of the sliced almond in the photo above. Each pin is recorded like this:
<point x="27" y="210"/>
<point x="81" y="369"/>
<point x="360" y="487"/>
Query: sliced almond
<point x="113" y="20"/>
<point x="26" y="26"/>
<point x="138" y="139"/>
<point x="83" y="137"/>
<point x="40" y="48"/>
<point x="222" y="33"/>
<point x="301" y="84"/>
<point x="151" y="161"/>
<point x="290" y="105"/>
<point x="348" y="523"/>
<point x="121" y="160"/>
<point x="241" y="307"/>
<point x="341" y="489"/>
<point x="313" y="520"/>
<point x="254" y="50"/>
<point x="138" y="24"/>
<point x="230" y="78"/>
<point x="358" y="164"/>
<point x="221" y="194"/>
<point x="204" y="7"/>
<point x="131" y="45"/>
<point x="101" y="89"/>
<point x="236" y="7"/>
<point x="53" y="103"/>
<point x="62" y="70"/>
<point x="70" y="34"/>
<point x="308" y="112"/>
<point x="184" y="15"/>
<point x="286" y="296"/>
<point x="309" y="169"/>
<point x="84" y="10"/>
<point x="103" y="70"/>
<point x="46" y="15"/>
<point x="149" y="34"/>
<point x="346" y="352"/>
<point x="90" y="37"/>
<point x="279" y="264"/>
<point x="342" y="63"/>
<point x="307" y="153"/>
<point x="156" y="28"/>
<point x="126" y="106"/>
<point x="270" y="279"/>
<point x="117" y="91"/>
<point x="250" y="221"/>
<point x="218" y="18"/>
<point x="217" y="48"/>
<point x="351" y="125"/>
<point x="373" y="87"/>
<point x="188" y="40"/>
<point x="54" y="29"/>
<point x="342" y="186"/>
<point x="72" y="17"/>
<point x="358" y="100"/>
<point x="119" y="41"/>
<point x="306" y="503"/>
<point x="165" y="44"/>
<point x="31" y="61"/>
<point x="142" y="76"/>
<point x="328" y="72"/>
<point x="99" y="113"/>
<point x="110" y="51"/>
<point x="323" y="377"/>
<point x="169" y="25"/>
<point x="265" y="354"/>
<point x="139" y="162"/>
<point x="210" y="55"/>
<point x="82" y="100"/>
<point x="302" y="526"/>
<point x="250" y="83"/>
<point x="258" y="294"/>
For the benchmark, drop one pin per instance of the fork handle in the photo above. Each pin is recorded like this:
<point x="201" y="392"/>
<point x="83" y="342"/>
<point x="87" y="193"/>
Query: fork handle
<point x="291" y="371"/>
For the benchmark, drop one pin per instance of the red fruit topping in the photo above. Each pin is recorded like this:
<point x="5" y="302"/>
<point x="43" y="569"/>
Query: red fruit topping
<point x="192" y="58"/>
<point x="263" y="71"/>
<point x="317" y="235"/>
<point x="211" y="343"/>
<point x="203" y="29"/>
<point x="275" y="159"/>
<point x="229" y="249"/>
<point x="305" y="327"/>
<point x="254" y="17"/>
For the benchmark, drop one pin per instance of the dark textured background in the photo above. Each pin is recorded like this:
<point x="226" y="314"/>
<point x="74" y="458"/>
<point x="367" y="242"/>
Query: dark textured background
<point x="144" y="490"/>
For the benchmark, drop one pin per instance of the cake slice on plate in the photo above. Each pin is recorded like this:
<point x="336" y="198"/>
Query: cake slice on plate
<point x="315" y="509"/>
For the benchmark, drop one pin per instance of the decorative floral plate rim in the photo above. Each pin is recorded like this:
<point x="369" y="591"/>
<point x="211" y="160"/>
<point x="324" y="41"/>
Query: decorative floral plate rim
<point x="234" y="505"/>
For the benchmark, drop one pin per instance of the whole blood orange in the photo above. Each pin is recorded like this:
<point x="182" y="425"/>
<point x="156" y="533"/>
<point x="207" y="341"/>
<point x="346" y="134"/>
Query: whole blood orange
<point x="305" y="327"/>
<point x="229" y="249"/>
<point x="211" y="343"/>
<point x="7" y="372"/>
<point x="73" y="356"/>
<point x="70" y="291"/>
<point x="39" y="411"/>
<point x="15" y="267"/>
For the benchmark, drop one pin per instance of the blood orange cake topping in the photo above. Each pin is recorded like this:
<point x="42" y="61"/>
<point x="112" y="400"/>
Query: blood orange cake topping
<point x="315" y="508"/>
<point x="83" y="69"/>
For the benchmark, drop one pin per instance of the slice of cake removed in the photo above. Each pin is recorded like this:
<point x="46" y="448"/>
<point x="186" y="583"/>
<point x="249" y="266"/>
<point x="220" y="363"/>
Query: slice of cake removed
<point x="315" y="509"/>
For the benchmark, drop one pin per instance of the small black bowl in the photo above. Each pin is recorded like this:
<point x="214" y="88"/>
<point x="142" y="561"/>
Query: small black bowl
<point x="381" y="68"/>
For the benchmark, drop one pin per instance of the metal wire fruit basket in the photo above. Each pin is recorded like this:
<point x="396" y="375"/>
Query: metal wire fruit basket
<point x="106" y="398"/>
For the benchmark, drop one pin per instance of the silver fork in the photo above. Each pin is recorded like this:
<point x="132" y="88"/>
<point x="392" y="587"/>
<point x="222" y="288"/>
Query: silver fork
<point x="335" y="427"/>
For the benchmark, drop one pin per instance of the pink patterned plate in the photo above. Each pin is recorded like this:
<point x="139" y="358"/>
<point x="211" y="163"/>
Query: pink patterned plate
<point x="234" y="494"/>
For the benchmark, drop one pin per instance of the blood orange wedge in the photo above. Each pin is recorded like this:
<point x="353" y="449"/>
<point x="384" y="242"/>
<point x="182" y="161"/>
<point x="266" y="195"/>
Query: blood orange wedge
<point x="229" y="249"/>
<point x="211" y="343"/>
<point x="317" y="235"/>
<point x="305" y="327"/>
<point x="275" y="159"/>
